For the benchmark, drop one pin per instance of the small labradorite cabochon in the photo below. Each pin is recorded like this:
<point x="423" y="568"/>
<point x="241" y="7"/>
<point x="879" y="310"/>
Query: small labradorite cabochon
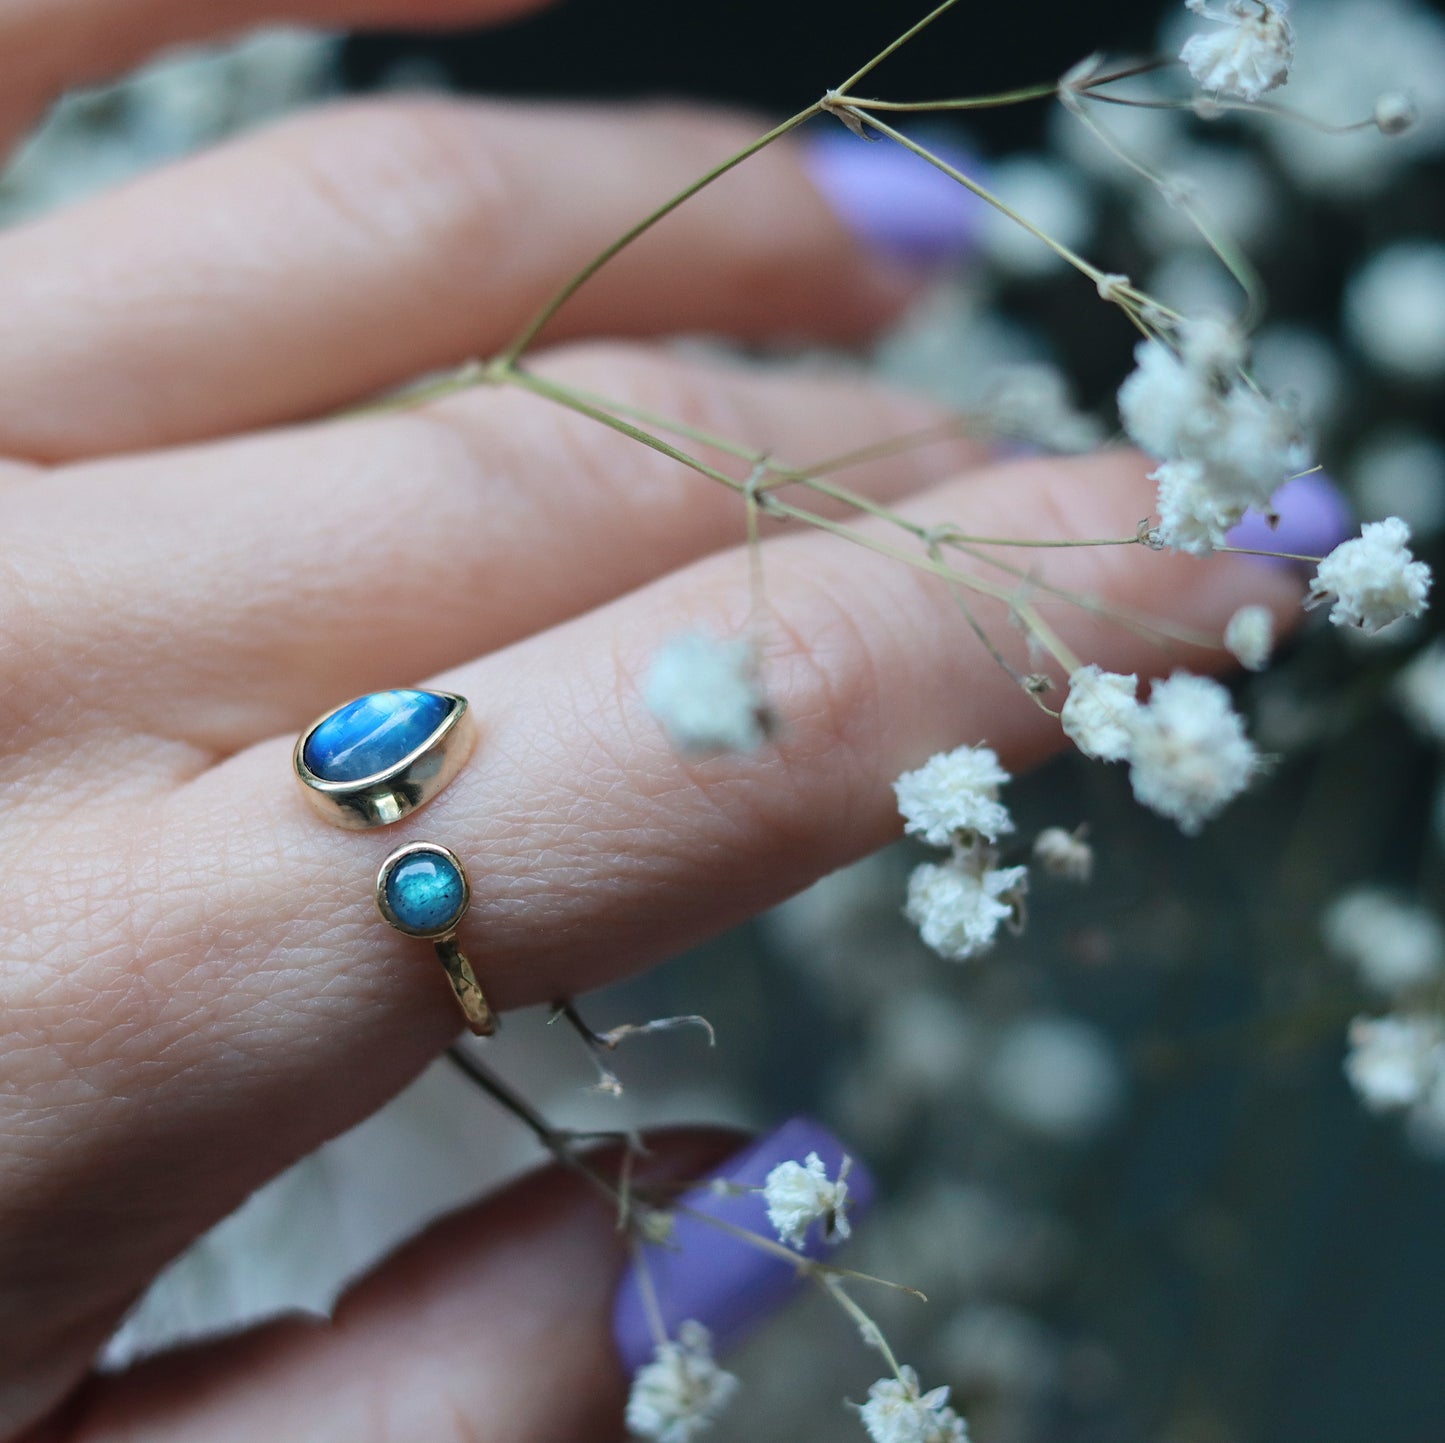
<point x="373" y="734"/>
<point x="425" y="892"/>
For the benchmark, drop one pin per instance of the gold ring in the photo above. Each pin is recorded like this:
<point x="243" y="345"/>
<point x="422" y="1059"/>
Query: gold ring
<point x="374" y="761"/>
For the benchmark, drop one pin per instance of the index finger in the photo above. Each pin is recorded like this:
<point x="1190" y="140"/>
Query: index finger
<point x="53" y="45"/>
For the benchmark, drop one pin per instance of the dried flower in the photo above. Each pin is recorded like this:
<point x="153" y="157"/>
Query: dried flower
<point x="1420" y="690"/>
<point x="1250" y="637"/>
<point x="897" y="1412"/>
<point x="1249" y="56"/>
<point x="1100" y="713"/>
<point x="706" y="694"/>
<point x="1395" y="113"/>
<point x="800" y="1194"/>
<point x="1395" y="1061"/>
<point x="1064" y="854"/>
<point x="954" y="793"/>
<point x="1191" y="756"/>
<point x="958" y="905"/>
<point x="681" y="1392"/>
<point x="1393" y="946"/>
<point x="1373" y="577"/>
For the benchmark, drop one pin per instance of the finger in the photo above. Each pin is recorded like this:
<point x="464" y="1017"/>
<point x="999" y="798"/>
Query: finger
<point x="234" y="961"/>
<point x="396" y="546"/>
<point x="494" y="1324"/>
<point x="301" y="269"/>
<point x="64" y="43"/>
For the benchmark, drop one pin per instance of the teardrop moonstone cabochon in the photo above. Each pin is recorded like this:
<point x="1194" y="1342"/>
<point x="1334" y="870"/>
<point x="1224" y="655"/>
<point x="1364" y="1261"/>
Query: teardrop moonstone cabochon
<point x="372" y="734"/>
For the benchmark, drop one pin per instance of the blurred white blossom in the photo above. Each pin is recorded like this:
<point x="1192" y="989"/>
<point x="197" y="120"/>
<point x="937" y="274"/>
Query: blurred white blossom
<point x="1064" y="854"/>
<point x="1393" y="1062"/>
<point x="681" y="1392"/>
<point x="706" y="694"/>
<point x="1400" y="471"/>
<point x="1394" y="946"/>
<point x="1249" y="637"/>
<point x="1056" y="1076"/>
<point x="1191" y="756"/>
<point x="898" y="1412"/>
<point x="1420" y="689"/>
<point x="1394" y="309"/>
<point x="1049" y="195"/>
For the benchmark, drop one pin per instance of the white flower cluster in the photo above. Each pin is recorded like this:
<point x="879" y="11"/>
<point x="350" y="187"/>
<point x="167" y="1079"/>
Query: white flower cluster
<point x="681" y="1392"/>
<point x="1397" y="1063"/>
<point x="801" y="1194"/>
<point x="1065" y="855"/>
<point x="706" y="694"/>
<point x="1249" y="637"/>
<point x="1224" y="446"/>
<point x="954" y="794"/>
<point x="958" y="905"/>
<point x="1394" y="946"/>
<point x="1420" y="691"/>
<point x="898" y="1412"/>
<point x="1249" y="55"/>
<point x="1373" y="578"/>
<point x="1187" y="750"/>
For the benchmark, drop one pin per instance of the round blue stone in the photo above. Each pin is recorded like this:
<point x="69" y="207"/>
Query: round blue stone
<point x="426" y="893"/>
<point x="373" y="734"/>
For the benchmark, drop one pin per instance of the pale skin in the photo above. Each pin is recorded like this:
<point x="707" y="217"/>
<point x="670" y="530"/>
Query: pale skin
<point x="195" y="988"/>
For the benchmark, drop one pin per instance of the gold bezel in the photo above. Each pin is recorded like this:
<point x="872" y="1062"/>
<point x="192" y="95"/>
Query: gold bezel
<point x="412" y="849"/>
<point x="387" y="797"/>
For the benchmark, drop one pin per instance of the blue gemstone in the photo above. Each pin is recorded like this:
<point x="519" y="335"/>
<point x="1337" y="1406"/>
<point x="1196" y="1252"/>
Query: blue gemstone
<point x="426" y="893"/>
<point x="373" y="734"/>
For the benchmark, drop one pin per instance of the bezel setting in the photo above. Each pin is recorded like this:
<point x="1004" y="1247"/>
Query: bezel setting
<point x="383" y="903"/>
<point x="389" y="795"/>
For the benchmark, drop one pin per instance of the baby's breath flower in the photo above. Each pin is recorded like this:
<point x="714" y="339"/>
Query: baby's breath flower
<point x="953" y="793"/>
<point x="1420" y="690"/>
<point x="1393" y="945"/>
<point x="1225" y="447"/>
<point x="1395" y="113"/>
<point x="897" y="1412"/>
<point x="1064" y="854"/>
<point x="1160" y="400"/>
<point x="1394" y="1061"/>
<point x="681" y="1392"/>
<point x="1249" y="56"/>
<point x="800" y="1194"/>
<point x="1249" y="637"/>
<point x="1191" y="756"/>
<point x="1193" y="517"/>
<point x="1373" y="577"/>
<point x="958" y="905"/>
<point x="706" y="694"/>
<point x="1100" y="713"/>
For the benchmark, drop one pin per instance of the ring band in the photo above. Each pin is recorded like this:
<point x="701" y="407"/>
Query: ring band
<point x="374" y="761"/>
<point x="423" y="891"/>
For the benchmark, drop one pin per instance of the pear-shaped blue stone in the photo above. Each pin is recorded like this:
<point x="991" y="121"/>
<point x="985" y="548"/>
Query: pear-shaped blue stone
<point x="425" y="892"/>
<point x="373" y="733"/>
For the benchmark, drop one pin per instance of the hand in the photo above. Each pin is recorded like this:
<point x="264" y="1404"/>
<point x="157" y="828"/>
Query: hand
<point x="196" y="987"/>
